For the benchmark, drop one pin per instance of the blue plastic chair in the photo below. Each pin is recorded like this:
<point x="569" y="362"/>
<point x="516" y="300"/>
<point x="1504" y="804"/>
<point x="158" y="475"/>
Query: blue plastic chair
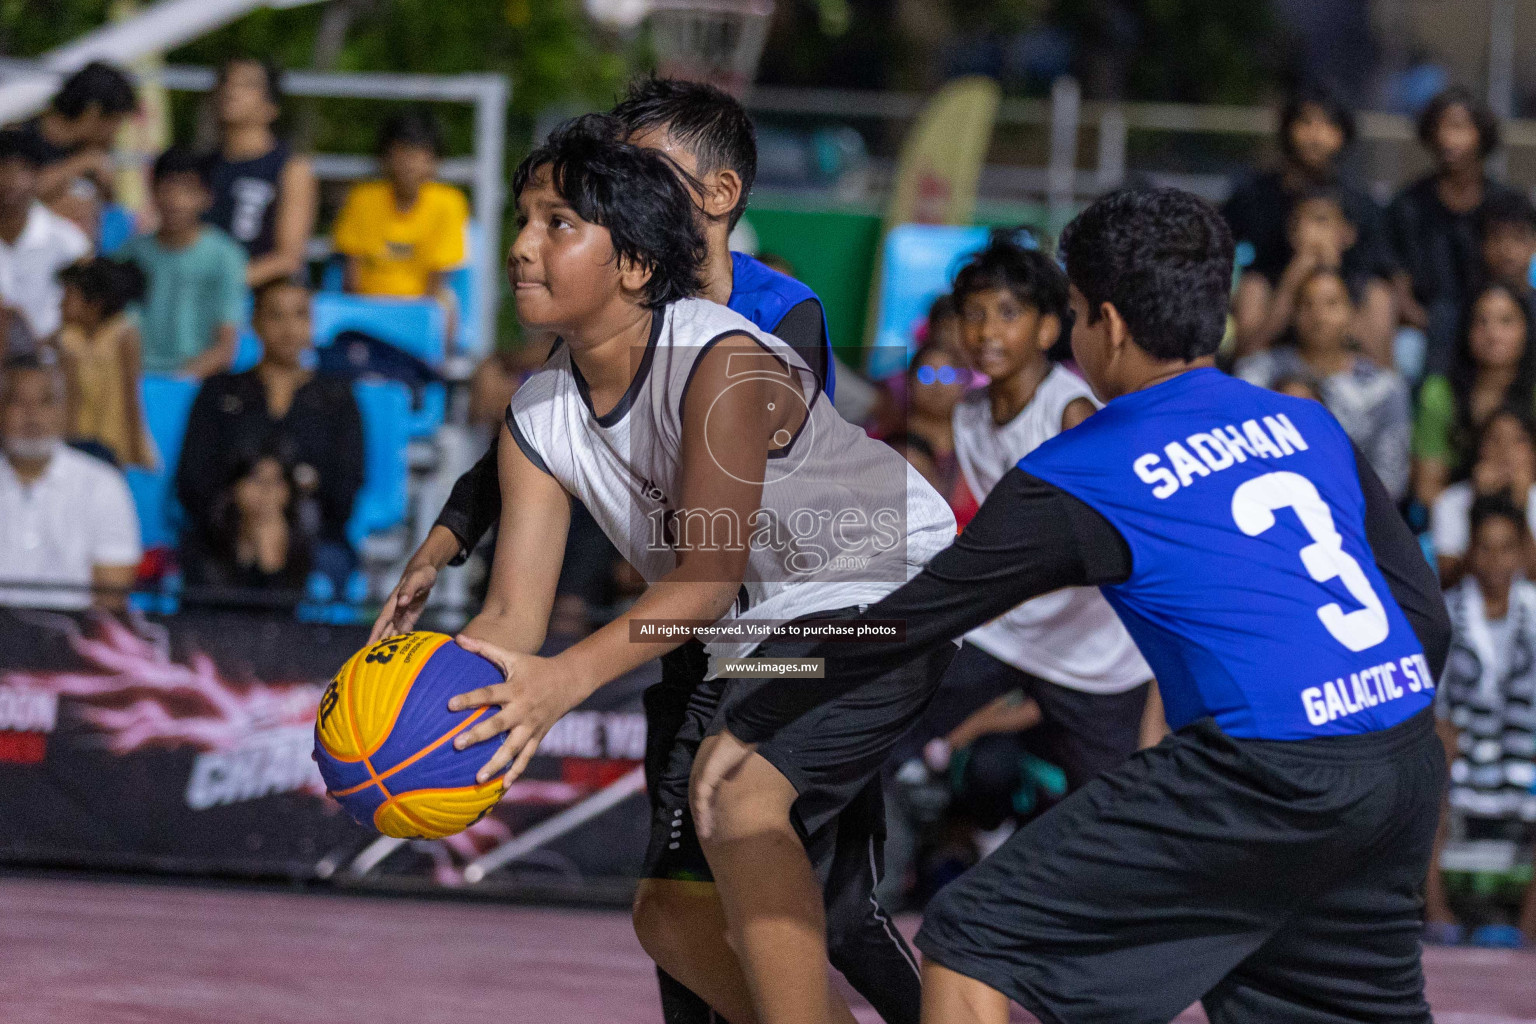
<point x="462" y="283"/>
<point x="417" y="326"/>
<point x="385" y="407"/>
<point x="248" y="350"/>
<point x="167" y="404"/>
<point x="113" y="229"/>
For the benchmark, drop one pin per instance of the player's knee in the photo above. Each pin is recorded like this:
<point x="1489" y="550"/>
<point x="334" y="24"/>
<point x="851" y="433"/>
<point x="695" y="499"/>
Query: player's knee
<point x="755" y="803"/>
<point x="655" y="914"/>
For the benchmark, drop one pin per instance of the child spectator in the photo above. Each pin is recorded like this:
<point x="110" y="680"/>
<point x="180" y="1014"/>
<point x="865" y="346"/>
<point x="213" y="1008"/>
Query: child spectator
<point x="1508" y="225"/>
<point x="35" y="244"/>
<point x="1434" y="222"/>
<point x="281" y="407"/>
<point x="1505" y="467"/>
<point x="935" y="383"/>
<point x="401" y="234"/>
<point x="254" y="539"/>
<point x="1486" y="703"/>
<point x="919" y="455"/>
<point x="69" y="536"/>
<point x="1370" y="403"/>
<point x="74" y="139"/>
<point x="1067" y="651"/>
<point x="1321" y="237"/>
<point x="264" y="196"/>
<point x="99" y="343"/>
<point x="1315" y="129"/>
<point x="1494" y="366"/>
<point x="195" y="273"/>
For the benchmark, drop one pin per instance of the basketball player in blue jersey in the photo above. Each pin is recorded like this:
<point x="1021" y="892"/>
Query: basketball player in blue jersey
<point x="1267" y="859"/>
<point x="709" y="136"/>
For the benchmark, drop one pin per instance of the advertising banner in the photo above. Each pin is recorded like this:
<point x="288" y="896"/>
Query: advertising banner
<point x="184" y="744"/>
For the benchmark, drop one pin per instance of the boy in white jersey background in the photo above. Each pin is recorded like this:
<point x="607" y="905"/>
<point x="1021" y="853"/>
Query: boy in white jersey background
<point x="1066" y="650"/>
<point x="707" y="452"/>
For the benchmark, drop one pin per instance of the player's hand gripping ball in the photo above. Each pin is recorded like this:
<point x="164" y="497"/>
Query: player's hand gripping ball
<point x="384" y="737"/>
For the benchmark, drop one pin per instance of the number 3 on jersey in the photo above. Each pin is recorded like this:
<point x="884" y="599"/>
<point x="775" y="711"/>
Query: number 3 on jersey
<point x="1253" y="508"/>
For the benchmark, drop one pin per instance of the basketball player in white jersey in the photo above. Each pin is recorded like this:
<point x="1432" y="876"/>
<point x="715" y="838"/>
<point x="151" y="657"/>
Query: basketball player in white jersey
<point x="1066" y="650"/>
<point x="707" y="452"/>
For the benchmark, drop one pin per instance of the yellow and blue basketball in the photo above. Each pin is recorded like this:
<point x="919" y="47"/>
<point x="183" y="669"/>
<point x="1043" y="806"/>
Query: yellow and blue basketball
<point x="384" y="737"/>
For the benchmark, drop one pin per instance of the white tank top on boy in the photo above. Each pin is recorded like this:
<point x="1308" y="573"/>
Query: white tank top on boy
<point x="844" y="520"/>
<point x="1071" y="637"/>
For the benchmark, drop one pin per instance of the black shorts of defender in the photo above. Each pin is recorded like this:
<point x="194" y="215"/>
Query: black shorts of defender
<point x="1085" y="734"/>
<point x="1270" y="881"/>
<point x="832" y="755"/>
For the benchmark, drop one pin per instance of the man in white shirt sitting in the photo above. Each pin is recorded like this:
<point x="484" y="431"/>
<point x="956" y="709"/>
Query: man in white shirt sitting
<point x="35" y="244"/>
<point x="69" y="535"/>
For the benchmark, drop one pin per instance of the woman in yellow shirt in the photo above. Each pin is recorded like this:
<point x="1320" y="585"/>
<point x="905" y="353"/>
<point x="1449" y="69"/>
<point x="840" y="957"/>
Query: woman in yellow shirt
<point x="400" y="235"/>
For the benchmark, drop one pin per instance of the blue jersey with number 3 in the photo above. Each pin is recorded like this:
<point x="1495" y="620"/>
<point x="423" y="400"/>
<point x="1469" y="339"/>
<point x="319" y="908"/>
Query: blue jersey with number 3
<point x="1253" y="593"/>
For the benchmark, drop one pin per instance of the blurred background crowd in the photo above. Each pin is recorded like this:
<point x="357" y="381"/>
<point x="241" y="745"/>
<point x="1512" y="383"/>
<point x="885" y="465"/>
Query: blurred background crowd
<point x="252" y="334"/>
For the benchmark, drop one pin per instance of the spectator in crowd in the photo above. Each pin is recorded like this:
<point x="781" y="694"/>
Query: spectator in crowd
<point x="1315" y="129"/>
<point x="35" y="244"/>
<point x="264" y="196"/>
<point x="402" y="234"/>
<point x="308" y="421"/>
<point x="1508" y="225"/>
<point x="1434" y="223"/>
<point x="1486" y="704"/>
<point x="1493" y="366"/>
<point x="1322" y="237"/>
<point x="1371" y="403"/>
<point x="195" y="273"/>
<point x="935" y="382"/>
<point x="941" y="330"/>
<point x="1505" y="467"/>
<point x="74" y="139"/>
<point x="919" y="455"/>
<point x="99" y="345"/>
<point x="66" y="519"/>
<point x="254" y="540"/>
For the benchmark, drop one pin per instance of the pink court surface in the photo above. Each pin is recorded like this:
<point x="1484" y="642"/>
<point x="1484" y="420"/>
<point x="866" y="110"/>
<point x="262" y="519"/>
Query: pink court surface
<point x="92" y="952"/>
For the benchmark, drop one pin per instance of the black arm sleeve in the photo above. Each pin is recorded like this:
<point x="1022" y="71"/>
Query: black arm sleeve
<point x="803" y="329"/>
<point x="474" y="504"/>
<point x="1029" y="538"/>
<point x="1414" y="585"/>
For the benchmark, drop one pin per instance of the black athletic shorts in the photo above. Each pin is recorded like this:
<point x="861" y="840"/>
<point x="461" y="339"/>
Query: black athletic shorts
<point x="832" y="755"/>
<point x="1085" y="734"/>
<point x="1270" y="881"/>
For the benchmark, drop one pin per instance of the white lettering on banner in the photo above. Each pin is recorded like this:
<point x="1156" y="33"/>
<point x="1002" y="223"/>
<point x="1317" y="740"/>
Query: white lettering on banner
<point x="27" y="710"/>
<point x="1218" y="449"/>
<point x="267" y="762"/>
<point x="1365" y="689"/>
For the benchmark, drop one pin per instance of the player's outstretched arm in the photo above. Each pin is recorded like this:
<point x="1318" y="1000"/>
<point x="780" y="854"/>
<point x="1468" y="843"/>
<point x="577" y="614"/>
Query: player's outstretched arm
<point x="1029" y="538"/>
<point x="472" y="507"/>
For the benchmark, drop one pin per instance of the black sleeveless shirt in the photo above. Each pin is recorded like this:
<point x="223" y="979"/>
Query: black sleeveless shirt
<point x="245" y="198"/>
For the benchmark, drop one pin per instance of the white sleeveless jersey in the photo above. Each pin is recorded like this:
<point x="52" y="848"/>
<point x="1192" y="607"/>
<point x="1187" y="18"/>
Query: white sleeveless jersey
<point x="844" y="520"/>
<point x="1071" y="637"/>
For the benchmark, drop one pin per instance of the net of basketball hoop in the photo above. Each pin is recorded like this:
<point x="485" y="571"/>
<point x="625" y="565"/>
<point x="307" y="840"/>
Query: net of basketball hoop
<point x="715" y="41"/>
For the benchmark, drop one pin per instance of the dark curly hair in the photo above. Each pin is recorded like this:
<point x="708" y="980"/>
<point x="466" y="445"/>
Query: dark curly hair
<point x="1487" y="122"/>
<point x="637" y="194"/>
<point x="108" y="284"/>
<point x="710" y="122"/>
<point x="1031" y="275"/>
<point x="1163" y="258"/>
